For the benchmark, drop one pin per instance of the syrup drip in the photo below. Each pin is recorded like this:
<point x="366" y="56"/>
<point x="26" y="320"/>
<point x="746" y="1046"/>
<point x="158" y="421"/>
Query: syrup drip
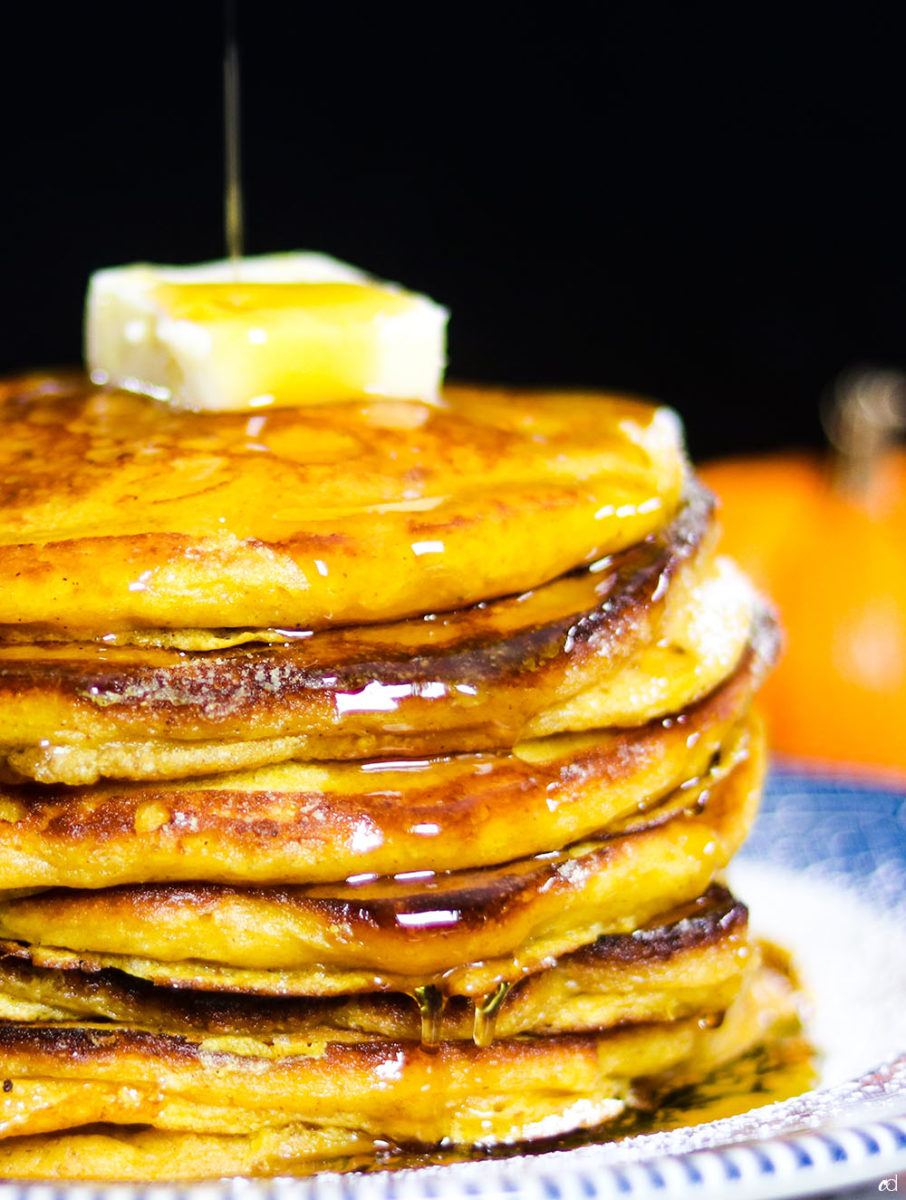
<point x="430" y="1001"/>
<point x="486" y="1010"/>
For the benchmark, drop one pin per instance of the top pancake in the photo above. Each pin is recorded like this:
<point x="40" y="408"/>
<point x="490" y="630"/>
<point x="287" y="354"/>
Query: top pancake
<point x="119" y="513"/>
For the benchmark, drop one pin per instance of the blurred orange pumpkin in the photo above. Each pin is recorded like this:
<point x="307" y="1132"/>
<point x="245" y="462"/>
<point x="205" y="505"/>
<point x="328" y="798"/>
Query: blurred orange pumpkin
<point x="826" y="540"/>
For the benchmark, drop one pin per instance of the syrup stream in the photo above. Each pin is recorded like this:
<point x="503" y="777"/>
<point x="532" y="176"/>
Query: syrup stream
<point x="232" y="198"/>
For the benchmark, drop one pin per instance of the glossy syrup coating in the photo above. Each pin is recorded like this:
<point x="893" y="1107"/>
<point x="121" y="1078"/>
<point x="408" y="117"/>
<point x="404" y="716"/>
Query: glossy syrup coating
<point x="470" y="692"/>
<point x="119" y="513"/>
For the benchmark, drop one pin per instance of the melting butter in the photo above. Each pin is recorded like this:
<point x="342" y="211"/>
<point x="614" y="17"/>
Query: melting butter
<point x="275" y="330"/>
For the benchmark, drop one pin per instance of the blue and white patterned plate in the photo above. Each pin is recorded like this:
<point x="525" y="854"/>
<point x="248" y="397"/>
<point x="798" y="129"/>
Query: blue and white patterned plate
<point x="824" y="873"/>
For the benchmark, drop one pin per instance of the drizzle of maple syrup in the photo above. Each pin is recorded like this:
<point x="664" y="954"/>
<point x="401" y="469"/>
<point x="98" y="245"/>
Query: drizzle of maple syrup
<point x="232" y="183"/>
<point x="431" y="1001"/>
<point x="770" y="1073"/>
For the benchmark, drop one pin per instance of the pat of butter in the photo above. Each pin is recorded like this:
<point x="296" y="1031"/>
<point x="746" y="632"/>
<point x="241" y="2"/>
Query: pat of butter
<point x="282" y="329"/>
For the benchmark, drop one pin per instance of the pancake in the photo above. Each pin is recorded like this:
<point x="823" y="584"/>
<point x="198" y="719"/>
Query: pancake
<point x="690" y="960"/>
<point x="299" y="823"/>
<point x="465" y="932"/>
<point x="318" y="1102"/>
<point x="625" y="578"/>
<point x="67" y="722"/>
<point x="663" y="612"/>
<point x="120" y="513"/>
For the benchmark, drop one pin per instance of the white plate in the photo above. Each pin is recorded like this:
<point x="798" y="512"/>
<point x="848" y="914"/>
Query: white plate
<point x="824" y="873"/>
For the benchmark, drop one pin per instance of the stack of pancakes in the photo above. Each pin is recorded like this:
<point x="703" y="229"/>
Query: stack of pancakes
<point x="369" y="773"/>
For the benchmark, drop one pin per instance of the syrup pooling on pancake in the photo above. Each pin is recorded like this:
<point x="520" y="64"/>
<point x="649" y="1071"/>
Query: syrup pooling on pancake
<point x="119" y="513"/>
<point x="625" y="579"/>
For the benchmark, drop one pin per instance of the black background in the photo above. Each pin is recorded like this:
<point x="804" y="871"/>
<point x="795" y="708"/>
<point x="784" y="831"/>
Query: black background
<point x="701" y="203"/>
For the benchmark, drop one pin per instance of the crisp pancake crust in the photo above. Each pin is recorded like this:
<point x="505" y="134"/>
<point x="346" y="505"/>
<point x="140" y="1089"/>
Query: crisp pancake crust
<point x="120" y="513"/>
<point x="368" y="775"/>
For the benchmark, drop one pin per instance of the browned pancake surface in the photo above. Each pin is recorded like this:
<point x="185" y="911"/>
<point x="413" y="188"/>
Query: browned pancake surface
<point x="518" y="1089"/>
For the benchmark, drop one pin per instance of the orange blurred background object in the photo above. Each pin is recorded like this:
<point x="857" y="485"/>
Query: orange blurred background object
<point x="825" y="539"/>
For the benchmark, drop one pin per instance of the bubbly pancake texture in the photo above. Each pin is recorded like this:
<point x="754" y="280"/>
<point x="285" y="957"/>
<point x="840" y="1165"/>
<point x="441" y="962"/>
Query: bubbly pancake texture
<point x="119" y="513"/>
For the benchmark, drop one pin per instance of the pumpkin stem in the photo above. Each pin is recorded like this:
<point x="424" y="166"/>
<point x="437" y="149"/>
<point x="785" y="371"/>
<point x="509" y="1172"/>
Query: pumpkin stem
<point x="867" y="408"/>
